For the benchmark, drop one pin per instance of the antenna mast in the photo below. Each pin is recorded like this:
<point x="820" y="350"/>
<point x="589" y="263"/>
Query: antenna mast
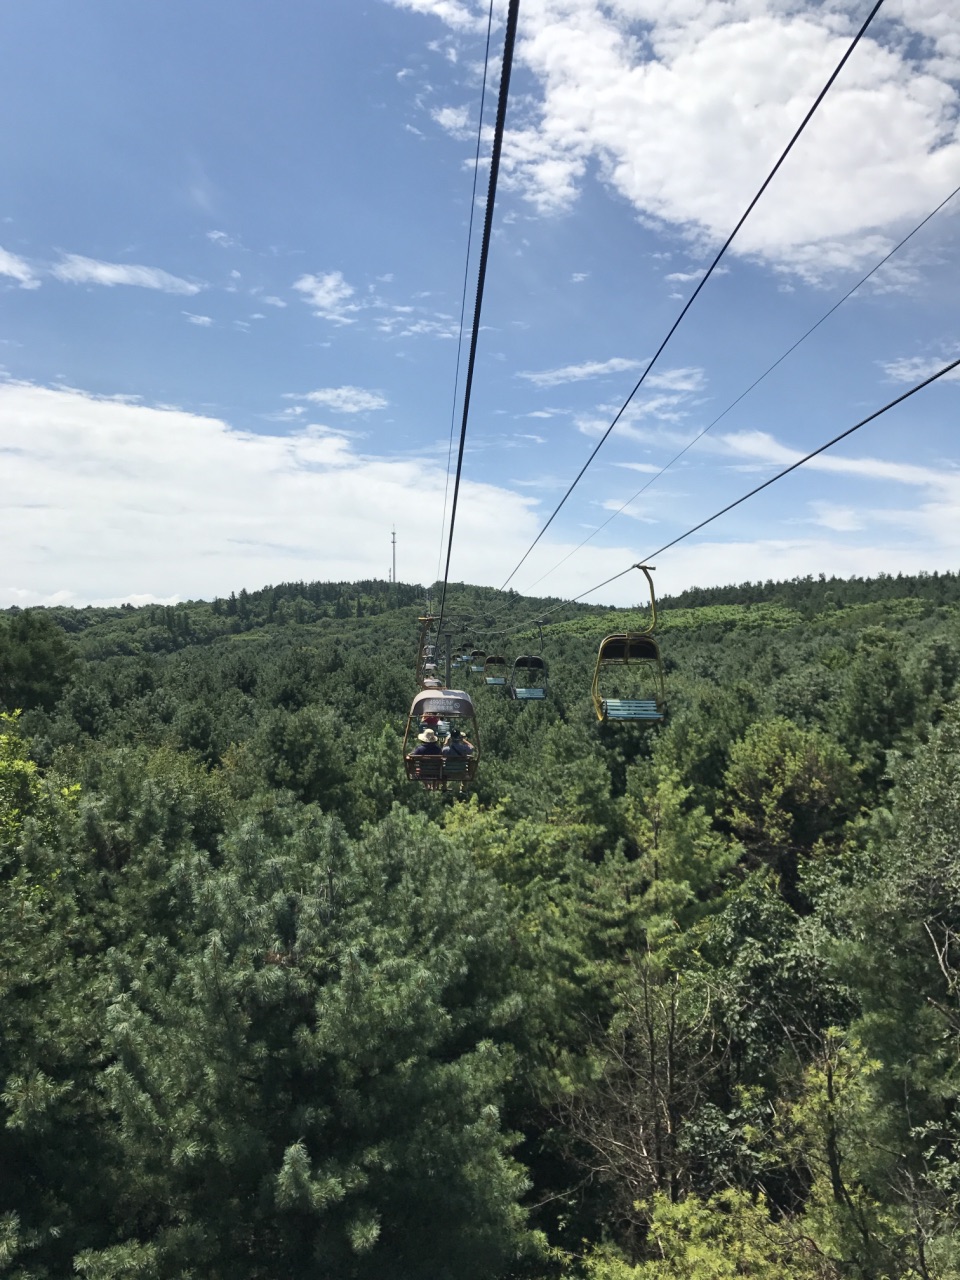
<point x="393" y="539"/>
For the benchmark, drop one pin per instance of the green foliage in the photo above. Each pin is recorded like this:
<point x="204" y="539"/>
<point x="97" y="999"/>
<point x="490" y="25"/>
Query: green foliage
<point x="790" y="789"/>
<point x="681" y="1000"/>
<point x="19" y="784"/>
<point x="726" y="1235"/>
<point x="36" y="661"/>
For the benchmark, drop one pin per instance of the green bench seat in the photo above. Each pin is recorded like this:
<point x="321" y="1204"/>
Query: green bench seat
<point x="631" y="709"/>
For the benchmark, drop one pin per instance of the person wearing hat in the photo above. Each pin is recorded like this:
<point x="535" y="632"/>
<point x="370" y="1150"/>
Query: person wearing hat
<point x="429" y="745"/>
<point x="457" y="745"/>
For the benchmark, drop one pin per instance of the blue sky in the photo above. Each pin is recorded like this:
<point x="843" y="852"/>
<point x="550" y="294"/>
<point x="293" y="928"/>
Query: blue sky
<point x="232" y="246"/>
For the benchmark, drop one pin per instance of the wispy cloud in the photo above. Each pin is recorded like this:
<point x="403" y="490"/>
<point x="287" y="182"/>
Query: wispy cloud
<point x="762" y="447"/>
<point x="647" y="468"/>
<point x="916" y="368"/>
<point x="75" y="269"/>
<point x="614" y="504"/>
<point x="453" y="13"/>
<point x="401" y="325"/>
<point x="455" y="120"/>
<point x="271" y="301"/>
<point x="840" y="519"/>
<point x="329" y="294"/>
<point x="17" y="268"/>
<point x="346" y="399"/>
<point x="224" y="240"/>
<point x="688" y="380"/>
<point x="203" y="321"/>
<point x="579" y="372"/>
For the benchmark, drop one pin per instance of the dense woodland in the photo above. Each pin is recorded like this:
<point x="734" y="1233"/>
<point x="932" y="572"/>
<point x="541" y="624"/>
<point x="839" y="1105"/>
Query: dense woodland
<point x="652" y="1003"/>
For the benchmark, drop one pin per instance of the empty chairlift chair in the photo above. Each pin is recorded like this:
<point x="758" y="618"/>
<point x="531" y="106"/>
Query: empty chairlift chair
<point x="477" y="659"/>
<point x="628" y="680"/>
<point x="528" y="679"/>
<point x="495" y="670"/>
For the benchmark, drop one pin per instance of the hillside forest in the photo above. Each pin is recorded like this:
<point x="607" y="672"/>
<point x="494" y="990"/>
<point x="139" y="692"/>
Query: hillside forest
<point x="651" y="1002"/>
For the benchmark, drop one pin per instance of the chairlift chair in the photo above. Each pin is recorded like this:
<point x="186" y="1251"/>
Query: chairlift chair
<point x="439" y="772"/>
<point x="628" y="681"/>
<point x="528" y="678"/>
<point x="495" y="670"/>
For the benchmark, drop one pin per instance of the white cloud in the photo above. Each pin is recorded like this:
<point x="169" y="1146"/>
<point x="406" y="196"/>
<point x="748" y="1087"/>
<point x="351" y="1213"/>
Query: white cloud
<point x="455" y="120"/>
<point x="452" y="12"/>
<point x="400" y="325"/>
<point x="666" y="407"/>
<point x="617" y="505"/>
<point x="176" y="504"/>
<point x="579" y="372"/>
<point x="203" y="321"/>
<point x="916" y="368"/>
<point x="682" y="105"/>
<point x="274" y="302"/>
<point x="329" y="295"/>
<point x="685" y="380"/>
<point x="75" y="269"/>
<point x="347" y="399"/>
<point x="223" y="240"/>
<point x="17" y="268"/>
<point x="760" y="446"/>
<point x="933" y="519"/>
<point x="841" y="519"/>
<point x="578" y="277"/>
<point x="684" y="277"/>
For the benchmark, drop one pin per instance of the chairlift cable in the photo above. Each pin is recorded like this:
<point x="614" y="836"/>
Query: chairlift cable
<point x="766" y="484"/>
<point x="743" y="394"/>
<point x="800" y="462"/>
<point x="507" y="63"/>
<point x="940" y="373"/>
<point x="466" y="273"/>
<point x="709" y="272"/>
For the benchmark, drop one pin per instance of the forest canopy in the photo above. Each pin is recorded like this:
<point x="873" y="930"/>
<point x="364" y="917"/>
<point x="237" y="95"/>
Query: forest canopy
<point x="649" y="1002"/>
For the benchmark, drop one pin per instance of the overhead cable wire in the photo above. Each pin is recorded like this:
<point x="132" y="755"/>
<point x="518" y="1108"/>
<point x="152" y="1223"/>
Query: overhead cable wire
<point x="743" y="394"/>
<point x="507" y="64"/>
<point x="948" y="368"/>
<point x="466" y="274"/>
<point x="709" y="272"/>
<point x="801" y="461"/>
<point x="940" y="373"/>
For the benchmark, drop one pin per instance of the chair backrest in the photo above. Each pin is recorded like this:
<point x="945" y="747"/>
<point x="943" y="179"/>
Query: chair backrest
<point x="529" y="662"/>
<point x="424" y="768"/>
<point x="627" y="648"/>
